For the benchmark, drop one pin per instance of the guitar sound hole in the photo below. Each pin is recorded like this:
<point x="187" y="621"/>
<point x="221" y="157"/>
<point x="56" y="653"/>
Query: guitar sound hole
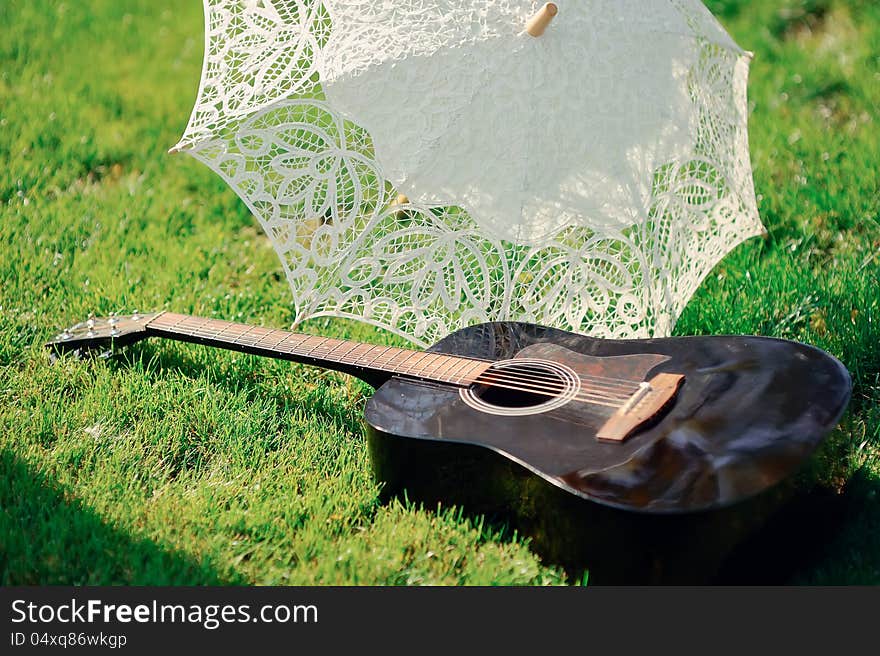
<point x="535" y="386"/>
<point x="522" y="387"/>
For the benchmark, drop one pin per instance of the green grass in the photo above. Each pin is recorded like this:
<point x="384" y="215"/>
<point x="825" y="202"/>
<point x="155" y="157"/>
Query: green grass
<point x="178" y="464"/>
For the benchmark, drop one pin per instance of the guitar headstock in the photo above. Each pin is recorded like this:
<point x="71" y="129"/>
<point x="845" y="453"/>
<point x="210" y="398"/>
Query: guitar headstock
<point x="101" y="333"/>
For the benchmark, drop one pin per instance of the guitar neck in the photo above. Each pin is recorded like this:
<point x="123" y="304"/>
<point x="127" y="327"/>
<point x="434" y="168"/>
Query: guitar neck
<point x="371" y="363"/>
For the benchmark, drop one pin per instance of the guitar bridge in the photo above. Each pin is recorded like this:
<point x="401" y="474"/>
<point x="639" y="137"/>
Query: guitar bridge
<point x="652" y="398"/>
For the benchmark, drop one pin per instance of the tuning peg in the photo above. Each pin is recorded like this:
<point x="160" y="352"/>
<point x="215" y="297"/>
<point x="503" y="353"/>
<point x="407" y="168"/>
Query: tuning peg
<point x="135" y="316"/>
<point x="90" y="324"/>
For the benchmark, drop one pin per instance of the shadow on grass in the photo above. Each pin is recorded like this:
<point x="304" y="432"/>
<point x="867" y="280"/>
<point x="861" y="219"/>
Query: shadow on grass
<point x="822" y="538"/>
<point x="790" y="543"/>
<point x="49" y="537"/>
<point x="852" y="555"/>
<point x="155" y="358"/>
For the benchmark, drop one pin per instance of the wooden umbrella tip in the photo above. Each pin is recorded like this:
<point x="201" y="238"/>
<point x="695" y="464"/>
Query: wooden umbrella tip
<point x="539" y="22"/>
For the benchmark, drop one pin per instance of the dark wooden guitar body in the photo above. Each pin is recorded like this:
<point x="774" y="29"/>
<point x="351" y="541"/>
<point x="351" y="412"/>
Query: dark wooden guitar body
<point x="726" y="427"/>
<point x="669" y="504"/>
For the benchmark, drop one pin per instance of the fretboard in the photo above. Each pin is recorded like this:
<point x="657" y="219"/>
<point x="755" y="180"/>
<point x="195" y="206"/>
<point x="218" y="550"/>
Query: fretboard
<point x="353" y="357"/>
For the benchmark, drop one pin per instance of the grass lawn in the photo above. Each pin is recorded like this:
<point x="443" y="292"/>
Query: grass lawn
<point x="177" y="464"/>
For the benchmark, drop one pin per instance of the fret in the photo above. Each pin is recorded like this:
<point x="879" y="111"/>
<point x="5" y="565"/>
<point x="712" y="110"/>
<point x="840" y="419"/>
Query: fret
<point x="237" y="331"/>
<point x="193" y="327"/>
<point x="247" y="337"/>
<point x="299" y="348"/>
<point x="254" y="336"/>
<point x="462" y="363"/>
<point x="381" y="353"/>
<point x="159" y="321"/>
<point x="348" y="352"/>
<point x="427" y="367"/>
<point x="208" y="329"/>
<point x="187" y="326"/>
<point x="180" y="320"/>
<point x="358" y="357"/>
<point x="477" y="366"/>
<point x="339" y="342"/>
<point x="285" y="335"/>
<point x="415" y="368"/>
<point x="269" y="333"/>
<point x="200" y="328"/>
<point x="428" y="364"/>
<point x="226" y="326"/>
<point x="261" y="336"/>
<point x="318" y="345"/>
<point x="258" y="336"/>
<point x="454" y="373"/>
<point x="329" y="346"/>
<point x="399" y="367"/>
<point x="302" y="348"/>
<point x="237" y="339"/>
<point x="442" y="364"/>
<point x="446" y="363"/>
<point x="451" y="364"/>
<point x="183" y="324"/>
<point x="163" y="320"/>
<point x="389" y="362"/>
<point x="464" y="373"/>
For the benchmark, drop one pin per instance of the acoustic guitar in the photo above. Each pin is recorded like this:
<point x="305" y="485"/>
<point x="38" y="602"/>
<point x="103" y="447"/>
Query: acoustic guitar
<point x="642" y="460"/>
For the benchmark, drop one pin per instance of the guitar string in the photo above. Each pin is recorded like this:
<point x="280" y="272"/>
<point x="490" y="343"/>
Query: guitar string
<point x="623" y="381"/>
<point x="555" y="388"/>
<point x="513" y="383"/>
<point x="488" y="378"/>
<point x="527" y="370"/>
<point x="554" y="382"/>
<point x="227" y="324"/>
<point x="628" y="389"/>
<point x="543" y="392"/>
<point x="533" y="383"/>
<point x="609" y="380"/>
<point x="492" y="380"/>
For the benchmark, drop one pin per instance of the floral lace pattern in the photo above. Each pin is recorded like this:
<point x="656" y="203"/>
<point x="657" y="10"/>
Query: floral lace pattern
<point x="604" y="221"/>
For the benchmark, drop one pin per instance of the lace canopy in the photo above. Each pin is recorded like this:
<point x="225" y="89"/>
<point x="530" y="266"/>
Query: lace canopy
<point x="427" y="164"/>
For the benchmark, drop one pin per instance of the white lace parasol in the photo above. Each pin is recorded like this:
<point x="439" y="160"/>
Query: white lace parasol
<point x="428" y="164"/>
